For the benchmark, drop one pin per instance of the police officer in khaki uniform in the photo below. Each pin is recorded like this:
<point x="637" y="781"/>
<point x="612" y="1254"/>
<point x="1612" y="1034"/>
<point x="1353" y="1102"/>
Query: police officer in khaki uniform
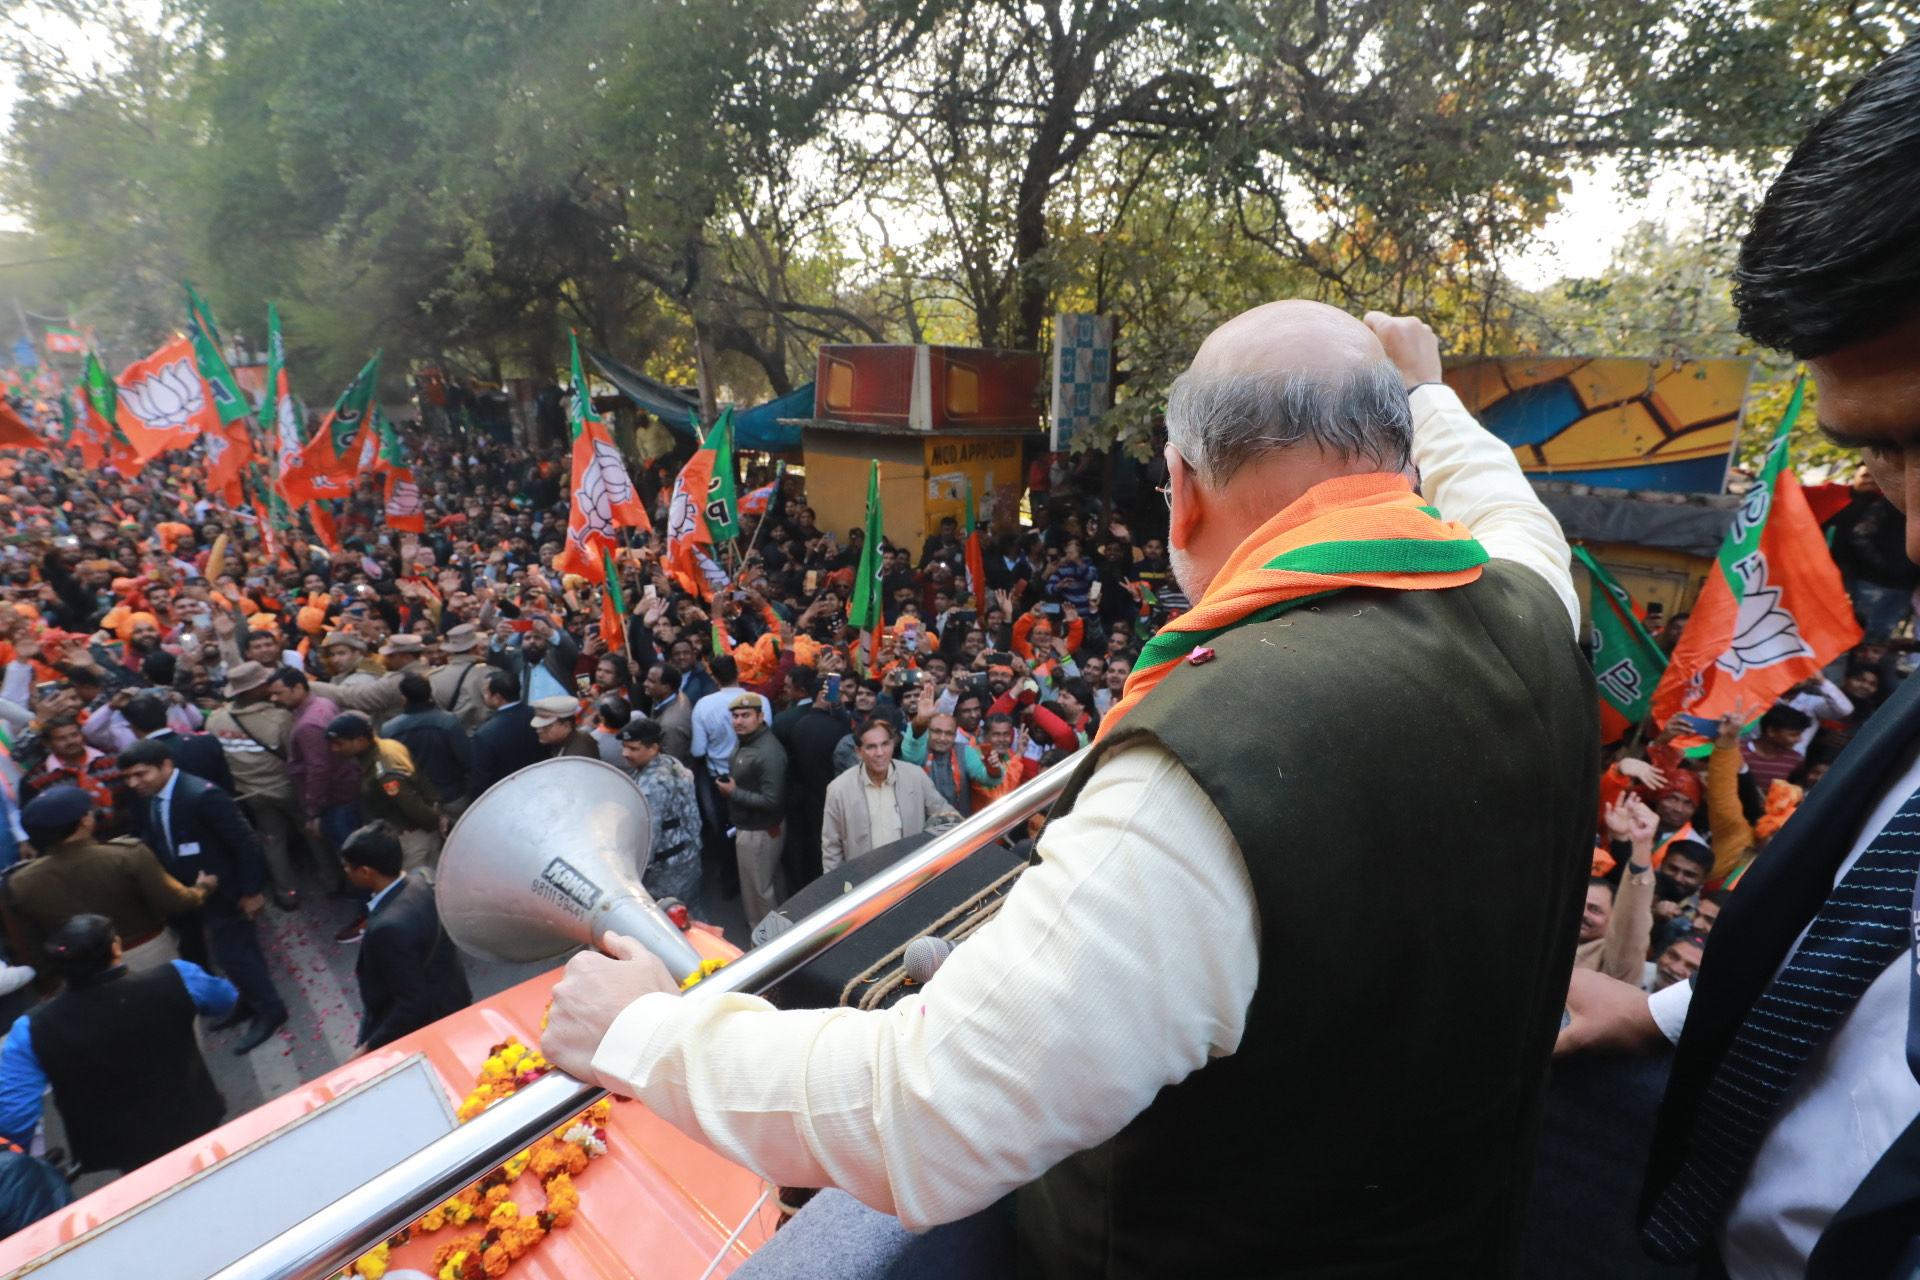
<point x="255" y="734"/>
<point x="556" y="722"/>
<point x="460" y="686"/>
<point x="380" y="700"/>
<point x="77" y="874"/>
<point x="391" y="788"/>
<point x="348" y="657"/>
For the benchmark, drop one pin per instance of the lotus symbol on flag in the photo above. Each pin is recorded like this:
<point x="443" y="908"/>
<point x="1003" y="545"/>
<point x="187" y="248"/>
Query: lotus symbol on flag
<point x="1763" y="632"/>
<point x="403" y="499"/>
<point x="603" y="486"/>
<point x="289" y="422"/>
<point x="166" y="399"/>
<point x="683" y="518"/>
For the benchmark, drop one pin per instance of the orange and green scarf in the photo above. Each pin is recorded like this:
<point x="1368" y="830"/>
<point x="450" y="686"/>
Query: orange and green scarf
<point x="1354" y="531"/>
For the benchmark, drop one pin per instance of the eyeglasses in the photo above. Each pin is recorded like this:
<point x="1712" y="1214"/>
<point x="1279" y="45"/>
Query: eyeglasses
<point x="1166" y="491"/>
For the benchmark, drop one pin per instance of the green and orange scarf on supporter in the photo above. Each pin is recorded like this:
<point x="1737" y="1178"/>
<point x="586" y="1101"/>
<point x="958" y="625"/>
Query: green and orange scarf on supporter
<point x="1353" y="531"/>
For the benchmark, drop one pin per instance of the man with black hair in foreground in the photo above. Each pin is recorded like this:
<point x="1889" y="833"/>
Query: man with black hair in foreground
<point x="1787" y="1142"/>
<point x="119" y="1051"/>
<point x="408" y="970"/>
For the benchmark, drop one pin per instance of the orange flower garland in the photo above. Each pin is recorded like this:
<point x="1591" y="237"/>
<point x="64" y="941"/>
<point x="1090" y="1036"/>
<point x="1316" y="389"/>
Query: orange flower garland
<point x="508" y="1233"/>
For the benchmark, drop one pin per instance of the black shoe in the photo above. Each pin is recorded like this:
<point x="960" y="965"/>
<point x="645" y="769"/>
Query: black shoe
<point x="258" y="1034"/>
<point x="286" y="899"/>
<point x="239" y="1014"/>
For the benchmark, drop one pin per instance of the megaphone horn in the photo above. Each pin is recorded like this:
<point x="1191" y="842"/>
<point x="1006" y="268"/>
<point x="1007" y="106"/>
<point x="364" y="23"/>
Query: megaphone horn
<point x="549" y="858"/>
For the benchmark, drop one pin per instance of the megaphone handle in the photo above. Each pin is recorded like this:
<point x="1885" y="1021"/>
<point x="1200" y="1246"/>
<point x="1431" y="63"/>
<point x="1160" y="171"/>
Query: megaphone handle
<point x="641" y="918"/>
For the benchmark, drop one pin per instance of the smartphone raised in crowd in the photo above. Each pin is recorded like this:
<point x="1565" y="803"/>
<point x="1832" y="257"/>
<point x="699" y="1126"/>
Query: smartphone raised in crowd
<point x="833" y="688"/>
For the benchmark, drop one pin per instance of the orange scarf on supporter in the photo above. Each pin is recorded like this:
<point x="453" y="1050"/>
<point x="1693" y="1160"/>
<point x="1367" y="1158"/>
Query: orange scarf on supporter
<point x="1354" y="531"/>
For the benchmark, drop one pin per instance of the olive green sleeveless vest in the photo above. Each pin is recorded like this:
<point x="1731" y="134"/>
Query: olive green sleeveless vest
<point x="1412" y="779"/>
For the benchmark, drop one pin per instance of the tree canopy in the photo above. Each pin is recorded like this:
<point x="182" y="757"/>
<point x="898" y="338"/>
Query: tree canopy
<point x="720" y="185"/>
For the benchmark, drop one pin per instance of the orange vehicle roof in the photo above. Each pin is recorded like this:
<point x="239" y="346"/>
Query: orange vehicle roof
<point x="657" y="1204"/>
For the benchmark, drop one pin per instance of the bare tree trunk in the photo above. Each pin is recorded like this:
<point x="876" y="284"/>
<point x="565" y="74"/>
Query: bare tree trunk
<point x="704" y="373"/>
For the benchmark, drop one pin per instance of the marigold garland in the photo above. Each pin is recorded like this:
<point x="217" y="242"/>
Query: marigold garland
<point x="507" y="1232"/>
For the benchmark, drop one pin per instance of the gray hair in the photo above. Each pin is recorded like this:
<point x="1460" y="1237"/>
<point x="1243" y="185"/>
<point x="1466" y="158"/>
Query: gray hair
<point x="1221" y="422"/>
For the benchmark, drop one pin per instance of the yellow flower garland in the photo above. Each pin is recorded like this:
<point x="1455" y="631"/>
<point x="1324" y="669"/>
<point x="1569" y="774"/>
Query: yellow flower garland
<point x="508" y="1233"/>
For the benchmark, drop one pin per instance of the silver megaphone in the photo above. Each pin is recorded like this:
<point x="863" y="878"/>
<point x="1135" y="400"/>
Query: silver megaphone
<point x="550" y="858"/>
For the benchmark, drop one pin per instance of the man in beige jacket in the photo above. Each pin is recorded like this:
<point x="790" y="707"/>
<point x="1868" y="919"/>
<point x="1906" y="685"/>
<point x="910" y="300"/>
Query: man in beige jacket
<point x="458" y="686"/>
<point x="256" y="736"/>
<point x="878" y="801"/>
<point x="380" y="700"/>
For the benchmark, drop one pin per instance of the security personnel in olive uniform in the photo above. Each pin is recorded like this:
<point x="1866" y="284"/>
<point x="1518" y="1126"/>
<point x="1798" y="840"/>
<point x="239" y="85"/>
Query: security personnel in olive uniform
<point x="255" y="735"/>
<point x="348" y="660"/>
<point x="77" y="874"/>
<point x="381" y="699"/>
<point x="459" y="687"/>
<point x="391" y="788"/>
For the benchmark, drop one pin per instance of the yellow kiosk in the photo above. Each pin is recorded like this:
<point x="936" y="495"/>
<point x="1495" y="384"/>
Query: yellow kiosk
<point x="939" y="420"/>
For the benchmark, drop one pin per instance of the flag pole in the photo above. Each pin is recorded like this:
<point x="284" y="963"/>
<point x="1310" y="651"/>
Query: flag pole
<point x="779" y="474"/>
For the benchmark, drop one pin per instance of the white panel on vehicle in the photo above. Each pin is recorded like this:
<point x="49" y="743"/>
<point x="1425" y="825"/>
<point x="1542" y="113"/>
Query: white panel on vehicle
<point x="192" y="1230"/>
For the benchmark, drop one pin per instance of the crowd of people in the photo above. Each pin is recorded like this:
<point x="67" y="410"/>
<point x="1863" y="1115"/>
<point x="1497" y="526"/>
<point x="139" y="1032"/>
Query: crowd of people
<point x="204" y="724"/>
<point x="1680" y="826"/>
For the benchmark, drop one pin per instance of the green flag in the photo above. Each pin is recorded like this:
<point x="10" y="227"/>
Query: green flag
<point x="723" y="507"/>
<point x="69" y="416"/>
<point x="866" y="610"/>
<point x="393" y="451"/>
<point x="228" y="400"/>
<point x="100" y="389"/>
<point x="580" y="403"/>
<point x="1627" y="664"/>
<point x="350" y="411"/>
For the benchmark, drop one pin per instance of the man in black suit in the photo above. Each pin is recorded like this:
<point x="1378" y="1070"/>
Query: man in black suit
<point x="199" y="754"/>
<point x="507" y="742"/>
<point x="194" y="826"/>
<point x="409" y="971"/>
<point x="810" y="763"/>
<point x="1787" y="1142"/>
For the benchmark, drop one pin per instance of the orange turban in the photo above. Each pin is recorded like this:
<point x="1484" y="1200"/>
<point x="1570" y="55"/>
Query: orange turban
<point x="170" y="532"/>
<point x="1782" y="799"/>
<point x="260" y="621"/>
<point x="129" y="619"/>
<point x="311" y="619"/>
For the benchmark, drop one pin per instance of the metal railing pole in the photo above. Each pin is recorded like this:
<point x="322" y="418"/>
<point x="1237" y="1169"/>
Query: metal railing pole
<point x="324" y="1243"/>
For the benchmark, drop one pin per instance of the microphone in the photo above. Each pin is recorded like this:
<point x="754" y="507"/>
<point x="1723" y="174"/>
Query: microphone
<point x="924" y="957"/>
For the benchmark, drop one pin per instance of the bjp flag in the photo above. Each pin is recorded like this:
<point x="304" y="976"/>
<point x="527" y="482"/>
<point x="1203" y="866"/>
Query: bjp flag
<point x="1773" y="611"/>
<point x="688" y="561"/>
<point x="328" y="465"/>
<point x="163" y="403"/>
<point x="15" y="433"/>
<point x="604" y="498"/>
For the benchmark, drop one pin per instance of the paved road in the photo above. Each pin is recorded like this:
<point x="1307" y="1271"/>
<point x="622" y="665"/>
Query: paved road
<point x="315" y="976"/>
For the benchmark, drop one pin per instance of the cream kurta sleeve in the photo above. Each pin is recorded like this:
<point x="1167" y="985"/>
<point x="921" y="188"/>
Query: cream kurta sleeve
<point x="1042" y="1035"/>
<point x="1470" y="475"/>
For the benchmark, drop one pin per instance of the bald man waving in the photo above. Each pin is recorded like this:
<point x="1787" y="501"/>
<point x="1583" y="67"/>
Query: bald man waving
<point x="1172" y="1046"/>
